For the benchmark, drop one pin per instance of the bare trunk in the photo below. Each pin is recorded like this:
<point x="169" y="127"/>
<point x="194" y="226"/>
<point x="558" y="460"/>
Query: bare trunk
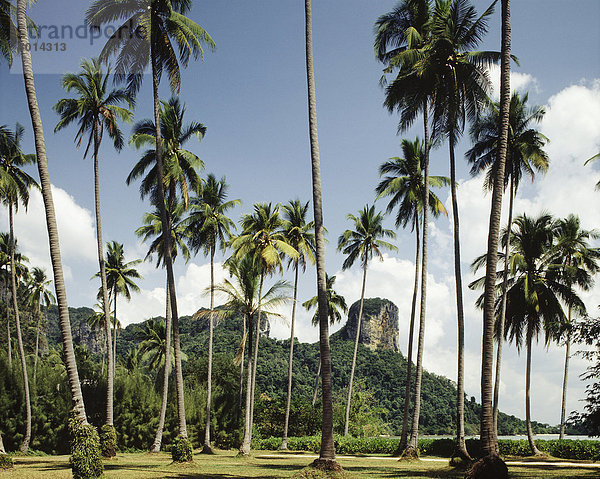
<point x="358" y="323"/>
<point x="255" y="363"/>
<point x="37" y="345"/>
<point x="245" y="447"/>
<point x="534" y="449"/>
<point x="563" y="406"/>
<point x="2" y="450"/>
<point x="411" y="333"/>
<point x="114" y="346"/>
<point x="167" y="371"/>
<point x="289" y="389"/>
<point x="241" y="391"/>
<point x="314" y="399"/>
<point x="8" y="340"/>
<point x="207" y="448"/>
<point x="27" y="438"/>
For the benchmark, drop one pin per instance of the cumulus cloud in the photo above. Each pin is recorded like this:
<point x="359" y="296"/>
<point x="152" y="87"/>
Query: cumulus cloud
<point x="518" y="81"/>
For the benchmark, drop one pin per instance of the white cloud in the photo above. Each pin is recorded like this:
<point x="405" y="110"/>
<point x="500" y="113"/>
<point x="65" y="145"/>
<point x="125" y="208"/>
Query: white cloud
<point x="518" y="81"/>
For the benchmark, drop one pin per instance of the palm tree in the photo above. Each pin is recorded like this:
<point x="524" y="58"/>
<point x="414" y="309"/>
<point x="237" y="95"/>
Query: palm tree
<point x="362" y="243"/>
<point x="14" y="189"/>
<point x="336" y="305"/>
<point x="578" y="262"/>
<point x="300" y="236"/>
<point x="534" y="293"/>
<point x="262" y="239"/>
<point x="210" y="229"/>
<point x="405" y="185"/>
<point x="594" y="158"/>
<point x="96" y="321"/>
<point x="244" y="297"/>
<point x="525" y="155"/>
<point x="40" y="149"/>
<point x="158" y="25"/>
<point x="153" y="346"/>
<point x="96" y="109"/>
<point x="39" y="295"/>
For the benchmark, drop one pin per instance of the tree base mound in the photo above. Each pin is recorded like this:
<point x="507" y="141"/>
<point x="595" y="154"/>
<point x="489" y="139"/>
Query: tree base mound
<point x="488" y="467"/>
<point x="206" y="449"/>
<point x="322" y="469"/>
<point x="411" y="453"/>
<point x="6" y="461"/>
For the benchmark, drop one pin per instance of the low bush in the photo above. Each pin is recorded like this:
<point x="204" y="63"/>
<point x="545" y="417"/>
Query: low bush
<point x="86" y="460"/>
<point x="108" y="441"/>
<point x="6" y="461"/>
<point x="181" y="450"/>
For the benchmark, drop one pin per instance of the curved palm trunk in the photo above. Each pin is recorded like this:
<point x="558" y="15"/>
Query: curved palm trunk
<point x="8" y="340"/>
<point x="27" y="438"/>
<point x="37" y="344"/>
<point x="534" y="449"/>
<point x="241" y="390"/>
<point x="461" y="448"/>
<point x="489" y="441"/>
<point x="100" y="244"/>
<point x="2" y="450"/>
<point x="314" y="399"/>
<point x="165" y="391"/>
<point x="256" y="343"/>
<point x="502" y="318"/>
<point x="168" y="260"/>
<point x="327" y="452"/>
<point x="411" y="332"/>
<point x="40" y="149"/>
<point x="207" y="448"/>
<point x="114" y="345"/>
<point x="289" y="389"/>
<point x="358" y="323"/>
<point x="245" y="446"/>
<point x="412" y="448"/>
<point x="563" y="405"/>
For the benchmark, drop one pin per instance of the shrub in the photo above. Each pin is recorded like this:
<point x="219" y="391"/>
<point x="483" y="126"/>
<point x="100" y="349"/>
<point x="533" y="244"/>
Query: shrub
<point x="6" y="461"/>
<point x="108" y="441"/>
<point x="86" y="461"/>
<point x="181" y="450"/>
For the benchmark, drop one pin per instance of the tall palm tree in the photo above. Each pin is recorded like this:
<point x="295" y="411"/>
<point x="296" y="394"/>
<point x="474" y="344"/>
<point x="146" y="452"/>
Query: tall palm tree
<point x="14" y="189"/>
<point x="55" y="257"/>
<point x="96" y="109"/>
<point x="244" y="297"/>
<point x="96" y="321"/>
<point x="405" y="33"/>
<point x="362" y="243"/>
<point x="405" y="185"/>
<point x="159" y="26"/>
<point x="153" y="345"/>
<point x="336" y="305"/>
<point x="299" y="234"/>
<point x="590" y="160"/>
<point x="525" y="154"/>
<point x="263" y="239"/>
<point x="534" y="293"/>
<point x="210" y="229"/>
<point x="39" y="295"/>
<point x="578" y="262"/>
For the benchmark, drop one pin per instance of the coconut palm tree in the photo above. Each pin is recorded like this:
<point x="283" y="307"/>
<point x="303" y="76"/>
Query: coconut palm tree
<point x="15" y="184"/>
<point x="405" y="185"/>
<point x="39" y="295"/>
<point x="590" y="160"/>
<point x="299" y="234"/>
<point x="578" y="262"/>
<point x="362" y="243"/>
<point x="96" y="109"/>
<point x="96" y="321"/>
<point x="151" y="30"/>
<point x="336" y="305"/>
<point x="525" y="155"/>
<point x="153" y="345"/>
<point x="244" y="297"/>
<point x="55" y="257"/>
<point x="263" y="239"/>
<point x="210" y="229"/>
<point x="534" y="293"/>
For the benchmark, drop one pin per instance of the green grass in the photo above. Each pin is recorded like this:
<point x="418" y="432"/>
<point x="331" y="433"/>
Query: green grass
<point x="225" y="465"/>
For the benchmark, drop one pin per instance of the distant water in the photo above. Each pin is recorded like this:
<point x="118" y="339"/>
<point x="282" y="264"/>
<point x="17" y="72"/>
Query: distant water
<point x="516" y="438"/>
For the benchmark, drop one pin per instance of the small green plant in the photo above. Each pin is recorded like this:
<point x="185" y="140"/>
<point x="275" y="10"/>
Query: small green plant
<point x="181" y="450"/>
<point x="6" y="461"/>
<point x="86" y="460"/>
<point x="108" y="441"/>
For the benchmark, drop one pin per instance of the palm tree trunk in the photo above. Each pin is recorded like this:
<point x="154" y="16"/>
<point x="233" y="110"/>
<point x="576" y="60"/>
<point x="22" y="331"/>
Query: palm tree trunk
<point x="40" y="149"/>
<point x="245" y="446"/>
<point x="489" y="442"/>
<point x="241" y="391"/>
<point x="534" y="449"/>
<point x="207" y="448"/>
<point x="37" y="346"/>
<point x="289" y="390"/>
<point x="358" y="323"/>
<point x="8" y="340"/>
<point x="114" y="346"/>
<point x="327" y="452"/>
<point x="100" y="245"/>
<point x="563" y="405"/>
<point x="411" y="332"/>
<point x="27" y="438"/>
<point x="255" y="363"/>
<point x="2" y="450"/>
<point x="314" y="399"/>
<point x="412" y="449"/>
<point x="461" y="448"/>
<point x="502" y="318"/>
<point x="167" y="371"/>
<point x="168" y="261"/>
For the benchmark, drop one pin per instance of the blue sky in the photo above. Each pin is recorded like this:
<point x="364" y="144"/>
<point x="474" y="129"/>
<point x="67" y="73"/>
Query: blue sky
<point x="251" y="95"/>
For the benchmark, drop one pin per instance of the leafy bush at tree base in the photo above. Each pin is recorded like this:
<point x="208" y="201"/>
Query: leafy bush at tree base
<point x="108" y="441"/>
<point x="181" y="450"/>
<point x="85" y="459"/>
<point x="6" y="461"/>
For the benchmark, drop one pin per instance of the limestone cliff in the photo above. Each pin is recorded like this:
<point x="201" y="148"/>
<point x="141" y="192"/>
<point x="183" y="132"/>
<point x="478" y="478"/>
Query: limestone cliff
<point x="379" y="325"/>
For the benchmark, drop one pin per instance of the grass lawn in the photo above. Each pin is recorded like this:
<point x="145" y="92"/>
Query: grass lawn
<point x="263" y="464"/>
